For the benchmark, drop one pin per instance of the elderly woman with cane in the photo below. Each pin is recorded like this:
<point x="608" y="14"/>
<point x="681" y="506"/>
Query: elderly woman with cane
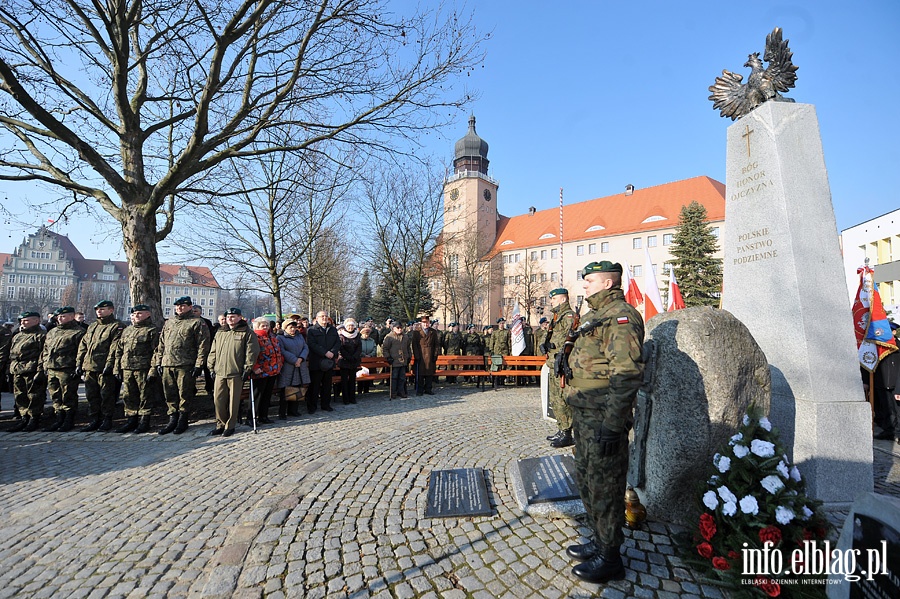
<point x="294" y="372"/>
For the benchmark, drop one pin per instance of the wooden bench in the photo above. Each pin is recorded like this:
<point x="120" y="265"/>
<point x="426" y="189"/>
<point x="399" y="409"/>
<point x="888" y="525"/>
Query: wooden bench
<point x="518" y="366"/>
<point x="456" y="366"/>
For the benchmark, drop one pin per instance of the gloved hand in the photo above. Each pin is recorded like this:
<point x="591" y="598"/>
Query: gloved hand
<point x="544" y="349"/>
<point x="79" y="371"/>
<point x="610" y="441"/>
<point x="246" y="375"/>
<point x="390" y="361"/>
<point x="108" y="370"/>
<point x="196" y="372"/>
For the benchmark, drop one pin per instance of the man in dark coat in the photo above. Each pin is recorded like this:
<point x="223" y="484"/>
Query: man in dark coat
<point x="426" y="345"/>
<point x="887" y="377"/>
<point x="324" y="344"/>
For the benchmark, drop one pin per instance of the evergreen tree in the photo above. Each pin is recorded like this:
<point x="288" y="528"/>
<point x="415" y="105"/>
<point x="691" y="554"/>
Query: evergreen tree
<point x="380" y="307"/>
<point x="699" y="274"/>
<point x="363" y="303"/>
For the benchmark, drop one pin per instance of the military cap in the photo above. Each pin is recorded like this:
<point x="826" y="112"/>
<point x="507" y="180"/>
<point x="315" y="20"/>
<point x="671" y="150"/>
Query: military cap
<point x="183" y="300"/>
<point x="397" y="324"/>
<point x="140" y="308"/>
<point x="453" y="324"/>
<point x="435" y="320"/>
<point x="470" y="326"/>
<point x="485" y="327"/>
<point x="25" y="315"/>
<point x="501" y="319"/>
<point x="543" y="320"/>
<point x="559" y="291"/>
<point x="602" y="266"/>
<point x="103" y="304"/>
<point x="65" y="310"/>
<point x="56" y="312"/>
<point x="233" y="311"/>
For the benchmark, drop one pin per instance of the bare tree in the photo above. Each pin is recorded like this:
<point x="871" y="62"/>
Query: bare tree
<point x="135" y="105"/>
<point x="465" y="278"/>
<point x="323" y="281"/>
<point x="528" y="285"/>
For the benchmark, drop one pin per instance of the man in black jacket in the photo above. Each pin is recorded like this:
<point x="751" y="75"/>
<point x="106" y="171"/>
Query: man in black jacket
<point x="324" y="344"/>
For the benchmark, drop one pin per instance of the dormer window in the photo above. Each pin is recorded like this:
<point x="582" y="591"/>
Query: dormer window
<point x="547" y="236"/>
<point x="653" y="219"/>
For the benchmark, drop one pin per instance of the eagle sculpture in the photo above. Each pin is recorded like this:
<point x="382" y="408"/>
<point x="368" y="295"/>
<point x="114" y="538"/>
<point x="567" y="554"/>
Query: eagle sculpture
<point x="735" y="100"/>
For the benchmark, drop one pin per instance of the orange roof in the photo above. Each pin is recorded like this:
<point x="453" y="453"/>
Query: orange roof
<point x="613" y="215"/>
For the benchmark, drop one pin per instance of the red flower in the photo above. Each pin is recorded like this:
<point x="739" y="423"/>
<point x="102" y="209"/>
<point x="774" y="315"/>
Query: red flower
<point x="771" y="534"/>
<point x="707" y="526"/>
<point x="732" y="555"/>
<point x="720" y="563"/>
<point x="705" y="550"/>
<point x="768" y="586"/>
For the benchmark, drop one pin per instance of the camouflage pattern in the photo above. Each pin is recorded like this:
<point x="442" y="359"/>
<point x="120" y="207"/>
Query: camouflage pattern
<point x="564" y="316"/>
<point x="5" y="342"/>
<point x="499" y="343"/>
<point x="61" y="347"/>
<point x="101" y="391"/>
<point x="97" y="343"/>
<point x="30" y="392"/>
<point x="63" y="387"/>
<point x="453" y="343"/>
<point x="606" y="374"/>
<point x="473" y="344"/>
<point x="135" y="347"/>
<point x="179" y="387"/>
<point x="138" y="392"/>
<point x="25" y="351"/>
<point x="184" y="342"/>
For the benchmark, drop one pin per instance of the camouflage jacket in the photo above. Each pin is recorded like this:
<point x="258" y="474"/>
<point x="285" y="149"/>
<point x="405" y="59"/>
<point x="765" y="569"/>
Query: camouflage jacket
<point x="564" y="315"/>
<point x="234" y="351"/>
<point x="473" y="344"/>
<point x="96" y="345"/>
<point x="500" y="343"/>
<point x="183" y="342"/>
<point x="136" y="346"/>
<point x="61" y="346"/>
<point x="25" y="350"/>
<point x="453" y="343"/>
<point x="606" y="362"/>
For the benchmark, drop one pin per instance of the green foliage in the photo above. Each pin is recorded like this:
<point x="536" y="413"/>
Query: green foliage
<point x="699" y="274"/>
<point x="385" y="303"/>
<point x="363" y="303"/>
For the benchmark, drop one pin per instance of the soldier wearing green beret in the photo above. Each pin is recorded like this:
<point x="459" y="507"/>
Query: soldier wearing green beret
<point x="29" y="379"/>
<point x="563" y="316"/>
<point x="606" y="373"/>
<point x="132" y="359"/>
<point x="500" y="346"/>
<point x="100" y="387"/>
<point x="58" y="360"/>
<point x="452" y="343"/>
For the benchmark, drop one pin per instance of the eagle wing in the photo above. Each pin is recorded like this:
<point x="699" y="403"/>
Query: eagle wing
<point x="781" y="72"/>
<point x="729" y="96"/>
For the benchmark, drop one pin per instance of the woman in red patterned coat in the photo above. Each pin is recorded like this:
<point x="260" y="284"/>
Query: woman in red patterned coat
<point x="265" y="371"/>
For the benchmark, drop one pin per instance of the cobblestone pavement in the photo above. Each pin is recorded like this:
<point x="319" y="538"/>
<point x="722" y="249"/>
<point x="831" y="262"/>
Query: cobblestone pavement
<point x="321" y="506"/>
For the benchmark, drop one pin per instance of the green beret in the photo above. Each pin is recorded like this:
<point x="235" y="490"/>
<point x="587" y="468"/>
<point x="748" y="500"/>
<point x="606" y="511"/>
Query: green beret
<point x="65" y="310"/>
<point x="56" y="312"/>
<point x="603" y="266"/>
<point x="543" y="320"/>
<point x="559" y="291"/>
<point x="470" y="326"/>
<point x="184" y="299"/>
<point x="25" y="315"/>
<point x="233" y="311"/>
<point x="453" y="324"/>
<point x="501" y="319"/>
<point x="485" y="327"/>
<point x="103" y="304"/>
<point x="140" y="308"/>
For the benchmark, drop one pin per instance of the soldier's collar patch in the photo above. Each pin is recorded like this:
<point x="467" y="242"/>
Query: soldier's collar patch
<point x="622" y="320"/>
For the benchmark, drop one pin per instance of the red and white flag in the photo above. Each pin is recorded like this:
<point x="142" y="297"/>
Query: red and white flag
<point x="517" y="334"/>
<point x="652" y="300"/>
<point x="632" y="292"/>
<point x="676" y="302"/>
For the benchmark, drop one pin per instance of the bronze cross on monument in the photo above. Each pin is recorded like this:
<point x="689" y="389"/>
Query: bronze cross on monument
<point x="746" y="134"/>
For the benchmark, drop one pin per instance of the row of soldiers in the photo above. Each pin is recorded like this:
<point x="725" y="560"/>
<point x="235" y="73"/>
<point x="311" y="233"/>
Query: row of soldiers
<point x="492" y="341"/>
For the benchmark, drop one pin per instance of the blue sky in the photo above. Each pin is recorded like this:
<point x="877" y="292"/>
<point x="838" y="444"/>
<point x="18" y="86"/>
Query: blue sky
<point x="591" y="96"/>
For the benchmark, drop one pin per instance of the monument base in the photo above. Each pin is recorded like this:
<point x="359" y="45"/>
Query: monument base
<point x="546" y="509"/>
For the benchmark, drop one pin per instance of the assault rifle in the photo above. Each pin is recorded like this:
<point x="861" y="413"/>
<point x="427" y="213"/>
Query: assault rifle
<point x="545" y="347"/>
<point x="563" y="371"/>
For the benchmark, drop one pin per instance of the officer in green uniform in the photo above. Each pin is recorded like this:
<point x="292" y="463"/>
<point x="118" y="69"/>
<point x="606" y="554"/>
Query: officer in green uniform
<point x="179" y="359"/>
<point x="28" y="377"/>
<point x="453" y="344"/>
<point x="132" y="361"/>
<point x="100" y="386"/>
<point x="472" y="342"/>
<point x="563" y="316"/>
<point x="58" y="360"/>
<point x="606" y="374"/>
<point x="500" y="346"/>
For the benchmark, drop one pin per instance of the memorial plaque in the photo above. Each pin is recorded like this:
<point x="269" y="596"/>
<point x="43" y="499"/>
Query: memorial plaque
<point x="549" y="478"/>
<point x="458" y="492"/>
<point x="877" y="547"/>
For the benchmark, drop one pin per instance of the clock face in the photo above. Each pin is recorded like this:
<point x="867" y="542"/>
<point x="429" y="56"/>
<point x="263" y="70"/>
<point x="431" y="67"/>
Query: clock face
<point x="454" y="194"/>
<point x="487" y="195"/>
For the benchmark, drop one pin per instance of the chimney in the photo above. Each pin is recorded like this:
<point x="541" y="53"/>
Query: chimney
<point x="532" y="210"/>
<point x="629" y="189"/>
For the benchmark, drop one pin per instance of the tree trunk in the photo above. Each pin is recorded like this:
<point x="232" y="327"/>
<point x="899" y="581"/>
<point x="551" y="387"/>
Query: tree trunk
<point x="139" y="240"/>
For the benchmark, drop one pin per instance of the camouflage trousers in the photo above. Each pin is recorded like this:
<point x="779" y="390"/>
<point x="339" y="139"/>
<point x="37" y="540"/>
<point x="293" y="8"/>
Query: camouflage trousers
<point x="138" y="392"/>
<point x="63" y="387"/>
<point x="29" y="394"/>
<point x="179" y="387"/>
<point x="561" y="410"/>
<point x="601" y="480"/>
<point x="100" y="390"/>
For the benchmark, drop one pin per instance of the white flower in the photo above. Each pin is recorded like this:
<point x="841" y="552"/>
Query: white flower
<point x="726" y="495"/>
<point x="784" y="514"/>
<point x="763" y="449"/>
<point x="736" y="438"/>
<point x="741" y="450"/>
<point x="795" y="473"/>
<point x="746" y="420"/>
<point x="729" y="508"/>
<point x="710" y="500"/>
<point x="764" y="422"/>
<point x="782" y="469"/>
<point x="772" y="484"/>
<point x="749" y="505"/>
<point x="724" y="463"/>
<point x="714" y="479"/>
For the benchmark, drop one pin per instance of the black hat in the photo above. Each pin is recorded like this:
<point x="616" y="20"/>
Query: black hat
<point x="104" y="304"/>
<point x="397" y="324"/>
<point x="233" y="311"/>
<point x="140" y="308"/>
<point x="501" y="319"/>
<point x="25" y="315"/>
<point x="603" y="266"/>
<point x="65" y="310"/>
<point x="543" y="320"/>
<point x="184" y="299"/>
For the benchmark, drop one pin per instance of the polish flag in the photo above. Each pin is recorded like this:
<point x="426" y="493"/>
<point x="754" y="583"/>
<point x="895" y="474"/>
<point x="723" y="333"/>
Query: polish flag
<point x="676" y="302"/>
<point x="632" y="292"/>
<point x="652" y="299"/>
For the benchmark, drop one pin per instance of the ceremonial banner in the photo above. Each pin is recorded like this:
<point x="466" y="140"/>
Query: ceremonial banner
<point x="874" y="339"/>
<point x="632" y="292"/>
<point x="517" y="334"/>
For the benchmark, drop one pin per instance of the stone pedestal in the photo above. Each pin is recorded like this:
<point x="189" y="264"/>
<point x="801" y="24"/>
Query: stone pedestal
<point x="783" y="279"/>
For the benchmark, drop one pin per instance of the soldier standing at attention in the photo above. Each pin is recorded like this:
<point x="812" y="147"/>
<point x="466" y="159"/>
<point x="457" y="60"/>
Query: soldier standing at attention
<point x="606" y="374"/>
<point x="132" y="360"/>
<point x="563" y="316"/>
<point x="29" y="381"/>
<point x="179" y="359"/>
<point x="232" y="358"/>
<point x="93" y="355"/>
<point x="453" y="344"/>
<point x="500" y="346"/>
<point x="58" y="360"/>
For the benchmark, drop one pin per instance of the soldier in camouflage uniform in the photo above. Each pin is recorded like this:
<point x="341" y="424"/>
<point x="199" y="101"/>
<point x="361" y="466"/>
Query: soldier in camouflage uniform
<point x="132" y="361"/>
<point x="453" y="344"/>
<point x="179" y="358"/>
<point x="29" y="380"/>
<point x="500" y="346"/>
<point x="563" y="316"/>
<point x="606" y="374"/>
<point x="100" y="386"/>
<point x="58" y="360"/>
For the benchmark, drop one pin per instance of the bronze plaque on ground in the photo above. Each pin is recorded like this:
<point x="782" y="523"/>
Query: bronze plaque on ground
<point x="458" y="492"/>
<point x="549" y="478"/>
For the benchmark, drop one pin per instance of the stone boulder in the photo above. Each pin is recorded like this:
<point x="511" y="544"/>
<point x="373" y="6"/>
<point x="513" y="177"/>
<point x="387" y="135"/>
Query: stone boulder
<point x="704" y="371"/>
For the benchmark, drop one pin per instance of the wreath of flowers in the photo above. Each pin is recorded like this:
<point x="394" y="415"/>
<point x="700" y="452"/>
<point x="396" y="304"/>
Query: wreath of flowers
<point x="754" y="495"/>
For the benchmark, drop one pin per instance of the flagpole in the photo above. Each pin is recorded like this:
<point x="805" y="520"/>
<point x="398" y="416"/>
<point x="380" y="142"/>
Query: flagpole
<point x="561" y="237"/>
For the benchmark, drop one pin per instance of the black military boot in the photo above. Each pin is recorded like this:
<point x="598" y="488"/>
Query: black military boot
<point x="20" y="426"/>
<point x="130" y="425"/>
<point x="582" y="552"/>
<point x="106" y="425"/>
<point x="182" y="423"/>
<point x="143" y="425"/>
<point x="68" y="422"/>
<point x="170" y="426"/>
<point x="96" y="421"/>
<point x="565" y="440"/>
<point x="60" y="418"/>
<point x="33" y="425"/>
<point x="603" y="567"/>
<point x="555" y="436"/>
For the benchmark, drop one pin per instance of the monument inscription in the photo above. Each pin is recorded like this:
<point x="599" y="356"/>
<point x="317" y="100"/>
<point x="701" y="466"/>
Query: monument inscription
<point x="548" y="478"/>
<point x="457" y="492"/>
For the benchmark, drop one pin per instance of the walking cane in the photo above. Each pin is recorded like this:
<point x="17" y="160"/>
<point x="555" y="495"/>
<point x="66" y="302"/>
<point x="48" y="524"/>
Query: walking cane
<point x="253" y="406"/>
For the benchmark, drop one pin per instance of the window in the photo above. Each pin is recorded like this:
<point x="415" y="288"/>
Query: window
<point x="654" y="269"/>
<point x="202" y="301"/>
<point x="168" y="311"/>
<point x="651" y="241"/>
<point x="505" y="259"/>
<point x="579" y="299"/>
<point x="168" y="300"/>
<point x="543" y="254"/>
<point x="533" y="278"/>
<point x="516" y="258"/>
<point x="579" y="250"/>
<point x="638" y="270"/>
<point x="553" y="254"/>
<point x="715" y="232"/>
<point x="604" y="247"/>
<point x="553" y="276"/>
<point x="636" y="243"/>
<point x="211" y="302"/>
<point x="592" y="248"/>
<point x="518" y="279"/>
<point x="22" y="279"/>
<point x="10" y="292"/>
<point x="534" y="255"/>
<point x="453" y="263"/>
<point x="543" y="277"/>
<point x="579" y="275"/>
<point x="667" y="267"/>
<point x="12" y="278"/>
<point x="667" y="238"/>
